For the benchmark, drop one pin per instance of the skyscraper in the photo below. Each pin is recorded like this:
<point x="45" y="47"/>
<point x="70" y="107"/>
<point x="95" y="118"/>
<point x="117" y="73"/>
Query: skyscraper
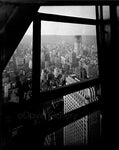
<point x="75" y="133"/>
<point x="86" y="130"/>
<point x="77" y="45"/>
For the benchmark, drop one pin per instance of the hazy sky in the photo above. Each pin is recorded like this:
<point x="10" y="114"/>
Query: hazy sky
<point x="76" y="11"/>
<point x="57" y="28"/>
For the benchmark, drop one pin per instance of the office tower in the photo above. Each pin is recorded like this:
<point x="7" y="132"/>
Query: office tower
<point x="79" y="132"/>
<point x="30" y="64"/>
<point x="74" y="61"/>
<point x="42" y="57"/>
<point x="77" y="45"/>
<point x="76" y="133"/>
<point x="94" y="128"/>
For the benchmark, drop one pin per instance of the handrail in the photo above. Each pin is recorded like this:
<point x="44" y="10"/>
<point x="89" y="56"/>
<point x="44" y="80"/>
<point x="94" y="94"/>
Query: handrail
<point x="47" y="96"/>
<point x="70" y="117"/>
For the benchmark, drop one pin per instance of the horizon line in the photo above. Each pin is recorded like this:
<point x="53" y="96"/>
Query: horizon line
<point x="64" y="34"/>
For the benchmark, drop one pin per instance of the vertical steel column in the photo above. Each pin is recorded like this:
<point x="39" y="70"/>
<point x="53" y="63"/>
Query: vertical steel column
<point x="100" y="48"/>
<point x="114" y="26"/>
<point x="36" y="58"/>
<point x="1" y="104"/>
<point x="1" y="98"/>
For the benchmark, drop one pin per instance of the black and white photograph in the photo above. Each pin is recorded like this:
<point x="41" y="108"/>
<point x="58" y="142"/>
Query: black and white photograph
<point x="52" y="72"/>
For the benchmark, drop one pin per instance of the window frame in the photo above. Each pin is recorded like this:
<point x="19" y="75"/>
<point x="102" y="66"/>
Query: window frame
<point x="37" y="97"/>
<point x="61" y="91"/>
<point x="42" y="99"/>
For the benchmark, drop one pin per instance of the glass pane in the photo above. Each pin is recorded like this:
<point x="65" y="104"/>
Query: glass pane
<point x="118" y="13"/>
<point x="74" y="11"/>
<point x="68" y="54"/>
<point x="17" y="75"/>
<point x="106" y="12"/>
<point x="107" y="34"/>
<point x="85" y="131"/>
